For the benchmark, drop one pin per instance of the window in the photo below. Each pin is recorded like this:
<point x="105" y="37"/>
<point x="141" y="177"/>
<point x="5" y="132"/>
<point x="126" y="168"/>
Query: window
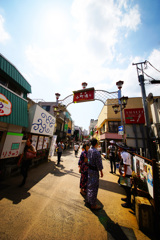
<point x="113" y="126"/>
<point x="47" y="108"/>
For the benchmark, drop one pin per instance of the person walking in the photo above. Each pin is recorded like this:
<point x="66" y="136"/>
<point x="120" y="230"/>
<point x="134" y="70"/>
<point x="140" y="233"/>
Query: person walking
<point x="26" y="160"/>
<point x="95" y="166"/>
<point x="127" y="173"/>
<point x="60" y="147"/>
<point x="83" y="169"/>
<point x="112" y="155"/>
<point x="76" y="148"/>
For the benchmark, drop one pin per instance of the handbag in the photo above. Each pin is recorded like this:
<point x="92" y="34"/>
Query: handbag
<point x="30" y="155"/>
<point x="125" y="181"/>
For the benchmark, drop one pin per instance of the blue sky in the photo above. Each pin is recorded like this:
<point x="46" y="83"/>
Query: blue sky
<point x="58" y="44"/>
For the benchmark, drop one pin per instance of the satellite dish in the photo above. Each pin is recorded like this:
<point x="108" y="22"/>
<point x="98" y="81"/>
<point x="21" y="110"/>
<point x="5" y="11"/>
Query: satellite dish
<point x="150" y="97"/>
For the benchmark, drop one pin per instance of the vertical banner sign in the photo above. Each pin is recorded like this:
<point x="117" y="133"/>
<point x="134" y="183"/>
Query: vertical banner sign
<point x="83" y="95"/>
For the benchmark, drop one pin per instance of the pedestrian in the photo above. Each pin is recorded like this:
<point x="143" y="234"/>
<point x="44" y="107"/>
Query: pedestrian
<point x="26" y="160"/>
<point x="76" y="148"/>
<point x="83" y="169"/>
<point x="60" y="147"/>
<point x="99" y="148"/>
<point x="95" y="166"/>
<point x="127" y="173"/>
<point x="112" y="155"/>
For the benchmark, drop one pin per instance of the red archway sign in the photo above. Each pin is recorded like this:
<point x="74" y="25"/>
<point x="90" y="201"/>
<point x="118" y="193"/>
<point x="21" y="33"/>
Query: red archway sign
<point x="83" y="95"/>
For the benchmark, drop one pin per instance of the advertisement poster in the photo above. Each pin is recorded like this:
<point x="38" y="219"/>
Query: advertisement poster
<point x="52" y="147"/>
<point x="139" y="167"/>
<point x="150" y="180"/>
<point x="46" y="142"/>
<point x="34" y="140"/>
<point x="40" y="143"/>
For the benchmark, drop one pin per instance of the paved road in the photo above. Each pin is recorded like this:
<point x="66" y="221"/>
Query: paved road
<point x="51" y="207"/>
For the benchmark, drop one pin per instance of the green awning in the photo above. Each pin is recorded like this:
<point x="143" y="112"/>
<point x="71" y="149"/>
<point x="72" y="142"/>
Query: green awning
<point x="9" y="69"/>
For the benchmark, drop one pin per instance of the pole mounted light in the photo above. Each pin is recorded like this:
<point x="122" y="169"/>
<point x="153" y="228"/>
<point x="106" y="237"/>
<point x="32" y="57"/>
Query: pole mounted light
<point x="57" y="95"/>
<point x="119" y="84"/>
<point x="123" y="102"/>
<point x="84" y="85"/>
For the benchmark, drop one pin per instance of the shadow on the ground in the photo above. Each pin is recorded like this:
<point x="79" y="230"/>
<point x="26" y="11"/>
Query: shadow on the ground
<point x="10" y="189"/>
<point x="114" y="230"/>
<point x="110" y="186"/>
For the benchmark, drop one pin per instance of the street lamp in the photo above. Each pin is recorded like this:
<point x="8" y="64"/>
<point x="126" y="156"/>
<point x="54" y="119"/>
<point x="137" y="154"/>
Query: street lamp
<point x="122" y="102"/>
<point x="84" y="85"/>
<point x="57" y="97"/>
<point x="119" y="84"/>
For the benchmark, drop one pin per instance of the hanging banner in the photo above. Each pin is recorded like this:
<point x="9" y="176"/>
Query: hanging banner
<point x="53" y="146"/>
<point x="83" y="95"/>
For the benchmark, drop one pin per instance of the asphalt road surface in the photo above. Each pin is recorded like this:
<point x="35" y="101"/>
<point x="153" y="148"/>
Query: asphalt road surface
<point x="50" y="206"/>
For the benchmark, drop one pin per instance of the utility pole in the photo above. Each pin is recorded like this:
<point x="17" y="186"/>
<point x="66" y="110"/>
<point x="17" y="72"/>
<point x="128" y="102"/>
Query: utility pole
<point x="145" y="106"/>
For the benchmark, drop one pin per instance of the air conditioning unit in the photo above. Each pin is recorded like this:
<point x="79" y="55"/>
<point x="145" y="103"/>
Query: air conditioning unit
<point x="156" y="129"/>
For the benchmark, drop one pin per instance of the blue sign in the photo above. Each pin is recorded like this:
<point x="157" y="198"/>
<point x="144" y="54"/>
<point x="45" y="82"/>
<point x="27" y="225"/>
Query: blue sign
<point x="120" y="129"/>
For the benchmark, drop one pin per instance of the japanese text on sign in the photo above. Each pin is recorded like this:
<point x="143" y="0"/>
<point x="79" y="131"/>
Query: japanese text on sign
<point x="83" y="95"/>
<point x="135" y="115"/>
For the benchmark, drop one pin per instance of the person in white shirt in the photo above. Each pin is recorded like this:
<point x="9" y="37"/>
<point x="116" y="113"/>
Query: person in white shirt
<point x="76" y="148"/>
<point x="126" y="157"/>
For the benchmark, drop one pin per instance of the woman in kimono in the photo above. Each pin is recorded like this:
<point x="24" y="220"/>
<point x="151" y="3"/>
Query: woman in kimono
<point x="95" y="166"/>
<point x="83" y="169"/>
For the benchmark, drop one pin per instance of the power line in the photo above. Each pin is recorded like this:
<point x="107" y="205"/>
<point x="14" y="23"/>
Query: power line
<point x="153" y="66"/>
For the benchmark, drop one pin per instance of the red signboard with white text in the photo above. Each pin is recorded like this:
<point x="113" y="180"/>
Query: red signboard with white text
<point x="83" y="95"/>
<point x="134" y="116"/>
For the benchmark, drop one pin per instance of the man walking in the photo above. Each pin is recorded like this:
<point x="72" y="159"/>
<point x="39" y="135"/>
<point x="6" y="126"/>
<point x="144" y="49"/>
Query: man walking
<point x="76" y="148"/>
<point x="60" y="147"/>
<point x="126" y="157"/>
<point x="112" y="155"/>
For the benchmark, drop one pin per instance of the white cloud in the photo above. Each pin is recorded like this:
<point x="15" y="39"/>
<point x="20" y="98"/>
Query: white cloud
<point x="4" y="36"/>
<point x="70" y="52"/>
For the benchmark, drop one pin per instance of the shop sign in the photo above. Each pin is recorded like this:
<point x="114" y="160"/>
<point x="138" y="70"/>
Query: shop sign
<point x="12" y="145"/>
<point x="83" y="95"/>
<point x="134" y="116"/>
<point x="46" y="142"/>
<point x="40" y="121"/>
<point x="53" y="145"/>
<point x="40" y="143"/>
<point x="65" y="127"/>
<point x="5" y="106"/>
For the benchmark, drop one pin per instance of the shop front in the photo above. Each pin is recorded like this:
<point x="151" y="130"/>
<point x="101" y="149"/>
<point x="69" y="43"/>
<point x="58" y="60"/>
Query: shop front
<point x="13" y="118"/>
<point x="40" y="129"/>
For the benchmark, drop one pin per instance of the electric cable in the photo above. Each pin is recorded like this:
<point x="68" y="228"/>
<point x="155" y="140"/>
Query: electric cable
<point x="153" y="66"/>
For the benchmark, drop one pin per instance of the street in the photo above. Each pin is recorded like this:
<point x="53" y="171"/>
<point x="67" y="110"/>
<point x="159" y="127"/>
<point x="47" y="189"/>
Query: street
<point x="50" y="206"/>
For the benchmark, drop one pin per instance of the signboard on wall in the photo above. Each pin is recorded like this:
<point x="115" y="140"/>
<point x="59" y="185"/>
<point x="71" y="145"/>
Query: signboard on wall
<point x="12" y="145"/>
<point x="5" y="106"/>
<point x="83" y="95"/>
<point x="34" y="140"/>
<point x="134" y="116"/>
<point x="52" y="147"/>
<point x="46" y="142"/>
<point x="40" y="143"/>
<point x="40" y="121"/>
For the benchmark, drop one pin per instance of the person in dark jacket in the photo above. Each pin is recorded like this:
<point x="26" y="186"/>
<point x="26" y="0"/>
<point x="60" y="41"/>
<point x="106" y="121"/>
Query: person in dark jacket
<point x="26" y="162"/>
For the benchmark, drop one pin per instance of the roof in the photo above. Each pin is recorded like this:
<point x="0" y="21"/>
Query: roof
<point x="7" y="68"/>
